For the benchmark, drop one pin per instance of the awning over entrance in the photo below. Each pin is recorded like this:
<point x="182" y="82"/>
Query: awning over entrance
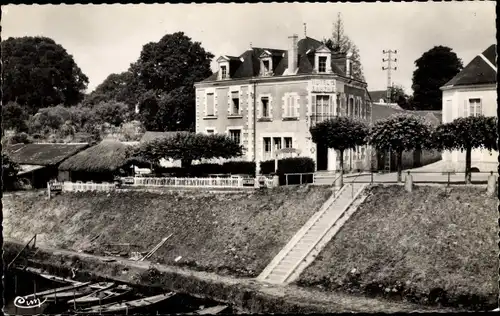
<point x="29" y="168"/>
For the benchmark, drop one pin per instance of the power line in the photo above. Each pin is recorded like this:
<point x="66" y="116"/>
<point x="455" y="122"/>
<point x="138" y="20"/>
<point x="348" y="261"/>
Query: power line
<point x="389" y="53"/>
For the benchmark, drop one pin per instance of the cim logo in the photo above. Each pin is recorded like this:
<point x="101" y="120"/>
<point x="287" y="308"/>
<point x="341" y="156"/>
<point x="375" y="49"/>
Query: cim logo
<point x="22" y="302"/>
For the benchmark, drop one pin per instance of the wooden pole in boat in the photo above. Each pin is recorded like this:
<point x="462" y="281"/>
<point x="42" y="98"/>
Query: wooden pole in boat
<point x="126" y="309"/>
<point x="15" y="284"/>
<point x="74" y="298"/>
<point x="100" y="305"/>
<point x="34" y="288"/>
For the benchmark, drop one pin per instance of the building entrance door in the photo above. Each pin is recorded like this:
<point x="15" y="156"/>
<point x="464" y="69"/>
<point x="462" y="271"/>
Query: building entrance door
<point x="322" y="157"/>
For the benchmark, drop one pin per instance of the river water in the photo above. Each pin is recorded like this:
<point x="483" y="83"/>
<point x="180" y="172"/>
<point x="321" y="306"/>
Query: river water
<point x="20" y="283"/>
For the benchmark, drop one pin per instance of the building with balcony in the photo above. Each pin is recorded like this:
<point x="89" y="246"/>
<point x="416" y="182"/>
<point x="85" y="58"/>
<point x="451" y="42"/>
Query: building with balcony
<point x="268" y="99"/>
<point x="472" y="92"/>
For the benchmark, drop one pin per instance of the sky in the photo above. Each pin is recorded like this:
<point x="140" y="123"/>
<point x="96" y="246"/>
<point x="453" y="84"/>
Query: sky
<point x="105" y="39"/>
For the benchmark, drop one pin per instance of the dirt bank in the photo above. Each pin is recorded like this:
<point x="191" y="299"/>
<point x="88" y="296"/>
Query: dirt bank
<point x="233" y="233"/>
<point x="433" y="245"/>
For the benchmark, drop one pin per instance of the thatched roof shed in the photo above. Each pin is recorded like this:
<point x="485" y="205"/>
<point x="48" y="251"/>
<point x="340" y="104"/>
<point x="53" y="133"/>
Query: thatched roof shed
<point x="48" y="154"/>
<point x="107" y="156"/>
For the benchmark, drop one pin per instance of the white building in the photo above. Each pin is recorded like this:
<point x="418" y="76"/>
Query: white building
<point x="472" y="92"/>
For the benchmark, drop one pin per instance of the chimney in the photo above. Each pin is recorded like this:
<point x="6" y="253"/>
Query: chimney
<point x="348" y="65"/>
<point x="293" y="54"/>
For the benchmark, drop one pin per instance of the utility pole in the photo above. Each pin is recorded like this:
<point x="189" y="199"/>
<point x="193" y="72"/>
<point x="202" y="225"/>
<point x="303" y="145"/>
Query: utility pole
<point x="389" y="53"/>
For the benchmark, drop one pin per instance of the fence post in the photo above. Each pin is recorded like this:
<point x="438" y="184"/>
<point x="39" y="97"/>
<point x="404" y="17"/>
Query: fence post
<point x="301" y="179"/>
<point x="409" y="182"/>
<point x="492" y="184"/>
<point x="286" y="179"/>
<point x="448" y="180"/>
<point x="48" y="189"/>
<point x="371" y="176"/>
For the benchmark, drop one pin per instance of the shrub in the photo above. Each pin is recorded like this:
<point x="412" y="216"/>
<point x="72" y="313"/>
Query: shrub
<point x="239" y="167"/>
<point x="290" y="165"/>
<point x="204" y="169"/>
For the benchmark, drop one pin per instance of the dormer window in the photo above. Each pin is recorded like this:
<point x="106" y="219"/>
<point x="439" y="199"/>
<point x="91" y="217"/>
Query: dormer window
<point x="323" y="60"/>
<point x="322" y="64"/>
<point x="266" y="65"/>
<point x="224" y="67"/>
<point x="223" y="72"/>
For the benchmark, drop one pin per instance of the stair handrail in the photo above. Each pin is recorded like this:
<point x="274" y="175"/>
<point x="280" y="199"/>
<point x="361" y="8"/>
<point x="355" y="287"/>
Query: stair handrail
<point x="352" y="186"/>
<point x="19" y="253"/>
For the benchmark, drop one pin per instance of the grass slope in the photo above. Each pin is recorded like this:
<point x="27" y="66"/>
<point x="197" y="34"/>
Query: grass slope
<point x="429" y="246"/>
<point x="236" y="234"/>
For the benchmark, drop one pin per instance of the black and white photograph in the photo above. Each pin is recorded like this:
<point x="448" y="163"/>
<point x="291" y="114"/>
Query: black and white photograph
<point x="250" y="158"/>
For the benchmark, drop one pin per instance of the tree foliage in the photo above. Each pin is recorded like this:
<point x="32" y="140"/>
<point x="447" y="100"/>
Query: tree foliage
<point x="434" y="68"/>
<point x="118" y="88"/>
<point x="188" y="147"/>
<point x="399" y="96"/>
<point x="14" y="117"/>
<point x="166" y="71"/>
<point x="340" y="133"/>
<point x="340" y="42"/>
<point x="401" y="132"/>
<point x="10" y="170"/>
<point x="466" y="134"/>
<point x="38" y="73"/>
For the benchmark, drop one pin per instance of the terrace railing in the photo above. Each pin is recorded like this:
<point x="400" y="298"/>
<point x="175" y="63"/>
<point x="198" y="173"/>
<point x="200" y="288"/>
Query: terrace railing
<point x="89" y="186"/>
<point x="191" y="182"/>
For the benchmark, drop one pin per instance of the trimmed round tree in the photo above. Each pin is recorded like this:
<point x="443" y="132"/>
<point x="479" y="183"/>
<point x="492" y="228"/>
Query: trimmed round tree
<point x="187" y="147"/>
<point x="340" y="133"/>
<point x="466" y="134"/>
<point x="401" y="132"/>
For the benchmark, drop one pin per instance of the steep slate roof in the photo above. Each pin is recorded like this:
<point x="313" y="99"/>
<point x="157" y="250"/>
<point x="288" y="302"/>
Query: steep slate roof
<point x="149" y="136"/>
<point x="43" y="154"/>
<point x="378" y="94"/>
<point x="250" y="67"/>
<point x="477" y="71"/>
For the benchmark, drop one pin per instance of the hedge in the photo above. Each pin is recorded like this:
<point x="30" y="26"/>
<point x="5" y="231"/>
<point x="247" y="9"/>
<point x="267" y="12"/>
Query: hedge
<point x="290" y="165"/>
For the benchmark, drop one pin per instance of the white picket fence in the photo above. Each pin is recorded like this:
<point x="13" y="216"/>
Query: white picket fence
<point x="190" y="182"/>
<point x="82" y="187"/>
<point x="217" y="182"/>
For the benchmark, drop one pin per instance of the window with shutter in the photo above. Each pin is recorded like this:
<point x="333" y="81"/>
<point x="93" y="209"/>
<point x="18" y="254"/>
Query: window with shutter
<point x="210" y="105"/>
<point x="313" y="109"/>
<point x="465" y="108"/>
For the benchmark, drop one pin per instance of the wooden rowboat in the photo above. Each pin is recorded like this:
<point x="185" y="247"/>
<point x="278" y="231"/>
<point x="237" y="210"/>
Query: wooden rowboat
<point x="46" y="276"/>
<point x="76" y="293"/>
<point x="211" y="310"/>
<point x="127" y="307"/>
<point x="102" y="297"/>
<point x="42" y="295"/>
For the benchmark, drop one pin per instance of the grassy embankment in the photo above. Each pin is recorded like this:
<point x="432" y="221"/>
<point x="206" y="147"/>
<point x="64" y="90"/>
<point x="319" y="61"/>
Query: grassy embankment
<point x="429" y="246"/>
<point x="236" y="234"/>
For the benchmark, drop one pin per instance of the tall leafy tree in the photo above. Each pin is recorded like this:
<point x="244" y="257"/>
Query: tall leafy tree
<point x="10" y="170"/>
<point x="401" y="132"/>
<point x="434" y="68"/>
<point x="14" y="117"/>
<point x="168" y="69"/>
<point x="116" y="87"/>
<point x="38" y="73"/>
<point x="399" y="96"/>
<point x="340" y="133"/>
<point x="339" y="41"/>
<point x="466" y="134"/>
<point x="188" y="147"/>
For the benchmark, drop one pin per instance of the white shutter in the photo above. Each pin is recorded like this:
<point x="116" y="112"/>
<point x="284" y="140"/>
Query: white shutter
<point x="297" y="106"/>
<point x="270" y="107"/>
<point x="215" y="103"/>
<point x="479" y="108"/>
<point x="465" y="108"/>
<point x="258" y="104"/>
<point x="229" y="103"/>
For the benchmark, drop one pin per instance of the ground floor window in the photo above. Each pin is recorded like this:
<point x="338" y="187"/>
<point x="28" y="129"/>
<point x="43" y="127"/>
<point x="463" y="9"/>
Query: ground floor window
<point x="288" y="142"/>
<point x="235" y="135"/>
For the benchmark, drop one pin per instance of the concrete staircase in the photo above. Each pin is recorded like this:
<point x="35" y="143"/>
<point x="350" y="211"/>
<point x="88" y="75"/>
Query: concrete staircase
<point x="303" y="248"/>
